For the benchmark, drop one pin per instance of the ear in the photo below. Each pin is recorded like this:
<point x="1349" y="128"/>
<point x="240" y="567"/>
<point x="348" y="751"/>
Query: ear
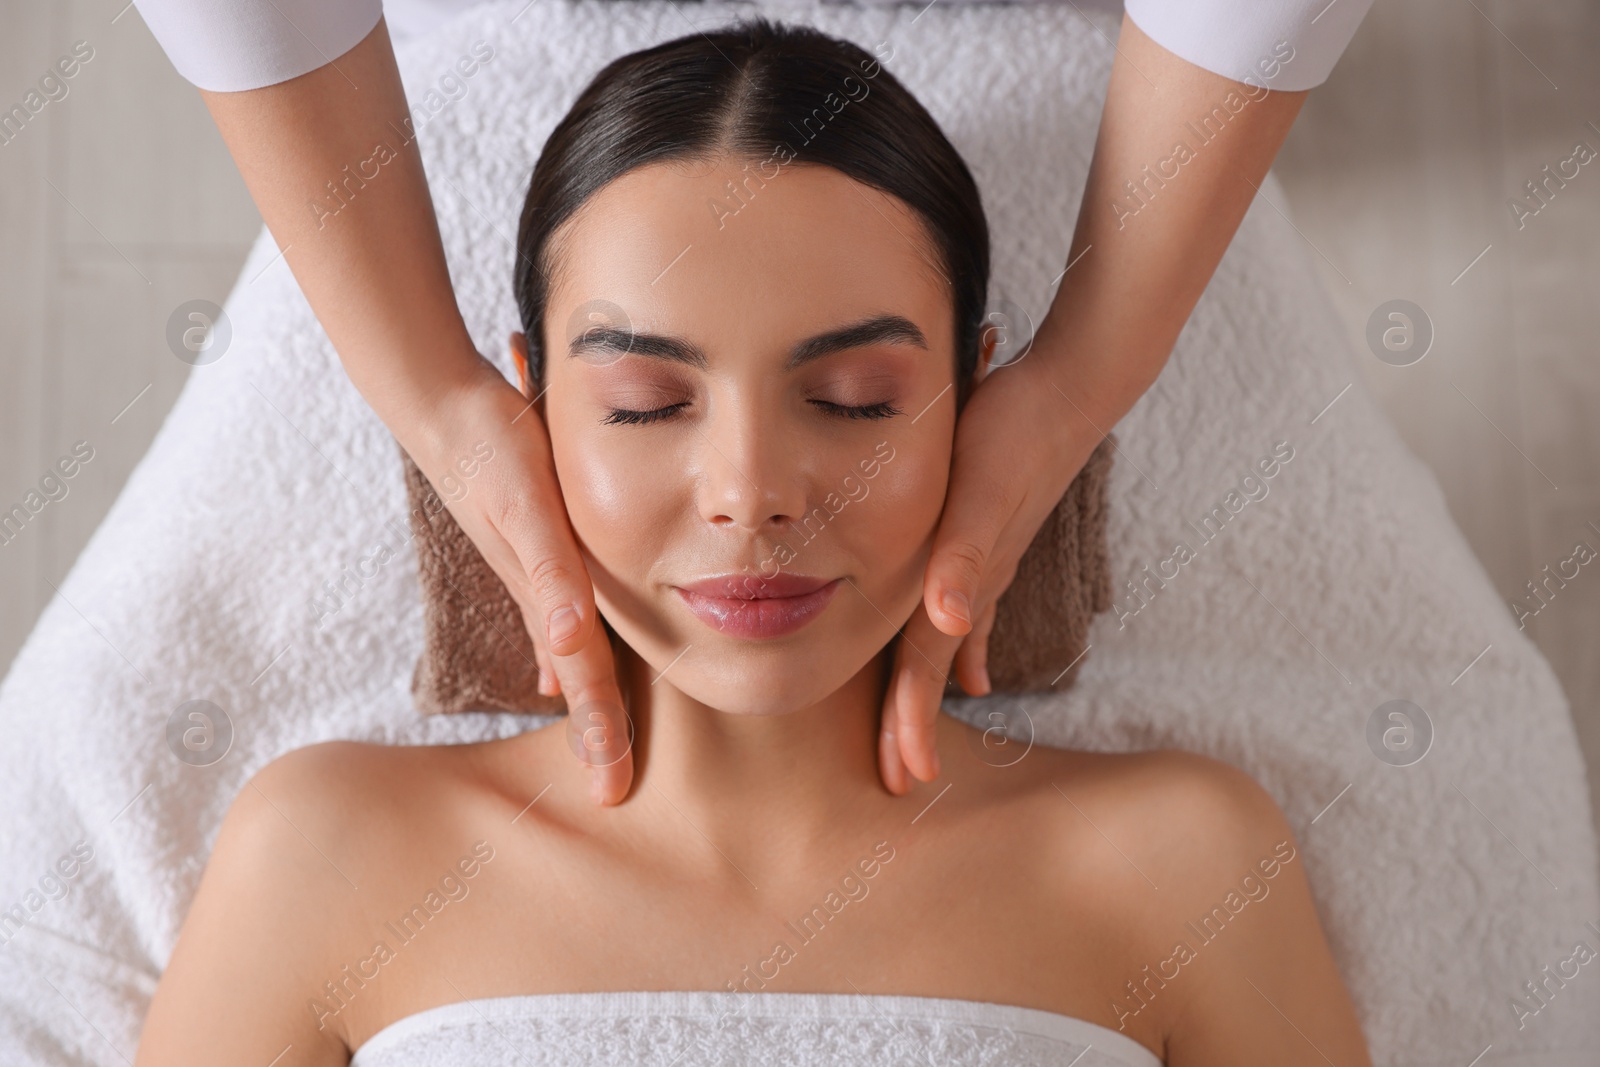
<point x="987" y="340"/>
<point x="519" y="354"/>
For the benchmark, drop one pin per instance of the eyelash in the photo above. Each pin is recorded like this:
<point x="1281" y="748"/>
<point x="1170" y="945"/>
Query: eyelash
<point x="624" y="417"/>
<point x="881" y="410"/>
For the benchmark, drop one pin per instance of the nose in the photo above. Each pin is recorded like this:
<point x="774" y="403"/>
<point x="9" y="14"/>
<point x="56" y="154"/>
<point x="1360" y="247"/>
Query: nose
<point x="754" y="479"/>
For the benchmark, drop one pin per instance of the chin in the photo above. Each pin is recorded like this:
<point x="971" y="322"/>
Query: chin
<point x="756" y="685"/>
<point x="742" y="677"/>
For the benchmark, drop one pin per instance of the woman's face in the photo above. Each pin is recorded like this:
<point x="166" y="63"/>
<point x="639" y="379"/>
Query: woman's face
<point x="751" y="410"/>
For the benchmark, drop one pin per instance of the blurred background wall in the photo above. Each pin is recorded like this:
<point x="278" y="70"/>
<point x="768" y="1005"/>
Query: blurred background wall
<point x="118" y="204"/>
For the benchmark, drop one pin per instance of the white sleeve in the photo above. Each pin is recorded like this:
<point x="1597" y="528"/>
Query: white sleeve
<point x="1279" y="44"/>
<point x="229" y="45"/>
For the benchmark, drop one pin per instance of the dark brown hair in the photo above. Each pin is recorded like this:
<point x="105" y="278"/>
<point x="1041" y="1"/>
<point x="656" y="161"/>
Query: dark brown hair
<point x="758" y="90"/>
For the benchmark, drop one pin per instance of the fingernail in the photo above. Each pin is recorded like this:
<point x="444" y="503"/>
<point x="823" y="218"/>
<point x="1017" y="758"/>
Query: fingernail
<point x="983" y="681"/>
<point x="956" y="604"/>
<point x="595" y="793"/>
<point x="563" y="624"/>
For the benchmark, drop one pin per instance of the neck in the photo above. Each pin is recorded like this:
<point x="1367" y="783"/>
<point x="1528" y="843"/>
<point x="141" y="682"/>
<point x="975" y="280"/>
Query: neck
<point x="773" y="789"/>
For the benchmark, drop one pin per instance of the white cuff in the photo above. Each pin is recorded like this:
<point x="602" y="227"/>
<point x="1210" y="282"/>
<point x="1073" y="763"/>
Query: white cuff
<point x="1278" y="44"/>
<point x="231" y="45"/>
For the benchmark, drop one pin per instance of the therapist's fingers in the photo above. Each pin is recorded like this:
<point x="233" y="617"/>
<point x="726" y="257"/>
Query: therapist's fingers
<point x="532" y="518"/>
<point x="599" y="731"/>
<point x="549" y="683"/>
<point x="977" y="509"/>
<point x="509" y="503"/>
<point x="515" y="515"/>
<point x="972" y="658"/>
<point x="558" y="598"/>
<point x="908" y="740"/>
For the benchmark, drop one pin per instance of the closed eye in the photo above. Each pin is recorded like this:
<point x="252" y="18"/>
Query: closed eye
<point x="881" y="410"/>
<point x="625" y="417"/>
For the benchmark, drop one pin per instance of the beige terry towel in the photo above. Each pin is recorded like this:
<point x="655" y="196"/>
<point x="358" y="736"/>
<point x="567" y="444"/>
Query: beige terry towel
<point x="477" y="655"/>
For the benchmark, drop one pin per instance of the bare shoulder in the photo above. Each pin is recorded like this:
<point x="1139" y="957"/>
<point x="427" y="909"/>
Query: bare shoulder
<point x="1155" y="780"/>
<point x="245" y="960"/>
<point x="1181" y="808"/>
<point x="281" y="892"/>
<point x="1156" y="830"/>
<point x="1194" y="829"/>
<point x="1228" y="962"/>
<point x="1200" y="812"/>
<point x="360" y="797"/>
<point x="327" y="812"/>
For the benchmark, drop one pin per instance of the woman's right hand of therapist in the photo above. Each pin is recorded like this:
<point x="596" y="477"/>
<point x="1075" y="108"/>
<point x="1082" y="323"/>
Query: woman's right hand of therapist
<point x="377" y="279"/>
<point x="515" y="515"/>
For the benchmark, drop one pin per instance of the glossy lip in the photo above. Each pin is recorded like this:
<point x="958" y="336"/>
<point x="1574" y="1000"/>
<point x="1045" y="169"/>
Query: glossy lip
<point x="756" y="607"/>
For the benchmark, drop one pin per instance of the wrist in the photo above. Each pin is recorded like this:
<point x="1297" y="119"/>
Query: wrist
<point x="1075" y="416"/>
<point x="429" y="417"/>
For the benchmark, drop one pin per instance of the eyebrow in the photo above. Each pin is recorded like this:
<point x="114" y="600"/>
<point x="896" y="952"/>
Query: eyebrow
<point x="879" y="329"/>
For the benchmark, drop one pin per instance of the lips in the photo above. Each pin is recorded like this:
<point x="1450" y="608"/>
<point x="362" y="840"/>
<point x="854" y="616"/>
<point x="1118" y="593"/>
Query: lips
<point x="755" y="607"/>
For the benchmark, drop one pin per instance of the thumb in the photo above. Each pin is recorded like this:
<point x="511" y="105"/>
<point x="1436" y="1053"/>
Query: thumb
<point x="556" y="582"/>
<point x="961" y="549"/>
<point x="561" y="591"/>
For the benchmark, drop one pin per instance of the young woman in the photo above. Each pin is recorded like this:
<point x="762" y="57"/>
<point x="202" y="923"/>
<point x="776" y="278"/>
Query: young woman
<point x="751" y="275"/>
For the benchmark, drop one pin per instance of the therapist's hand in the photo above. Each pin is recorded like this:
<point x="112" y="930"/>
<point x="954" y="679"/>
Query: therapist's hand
<point x="374" y="272"/>
<point x="1134" y="272"/>
<point x="1015" y="455"/>
<point x="514" y="513"/>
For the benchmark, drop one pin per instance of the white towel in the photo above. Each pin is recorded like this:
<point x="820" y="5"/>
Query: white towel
<point x="723" y="1029"/>
<point x="1444" y="886"/>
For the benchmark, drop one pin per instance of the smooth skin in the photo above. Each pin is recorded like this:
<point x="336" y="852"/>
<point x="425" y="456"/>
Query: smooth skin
<point x="376" y="278"/>
<point x="756" y="785"/>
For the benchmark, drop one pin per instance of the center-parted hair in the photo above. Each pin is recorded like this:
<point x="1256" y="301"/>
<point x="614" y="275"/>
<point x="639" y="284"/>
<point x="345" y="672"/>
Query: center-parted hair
<point x="775" y="96"/>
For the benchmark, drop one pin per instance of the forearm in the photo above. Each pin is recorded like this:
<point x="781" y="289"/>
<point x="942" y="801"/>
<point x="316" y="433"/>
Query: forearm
<point x="332" y="162"/>
<point x="1141" y="257"/>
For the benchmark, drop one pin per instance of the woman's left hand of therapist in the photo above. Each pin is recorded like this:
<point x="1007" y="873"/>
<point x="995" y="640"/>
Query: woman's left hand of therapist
<point x="1018" y="445"/>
